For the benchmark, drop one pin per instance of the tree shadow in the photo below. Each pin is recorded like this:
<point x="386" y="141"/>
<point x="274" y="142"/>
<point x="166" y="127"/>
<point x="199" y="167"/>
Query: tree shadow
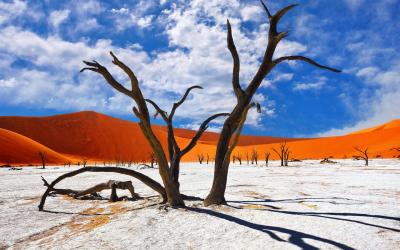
<point x="320" y="214"/>
<point x="330" y="200"/>
<point x="326" y="215"/>
<point x="295" y="237"/>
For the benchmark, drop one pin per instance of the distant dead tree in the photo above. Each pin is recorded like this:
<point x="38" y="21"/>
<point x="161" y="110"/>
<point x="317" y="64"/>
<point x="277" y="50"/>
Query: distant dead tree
<point x="283" y="153"/>
<point x="84" y="162"/>
<point x="286" y="156"/>
<point x="266" y="155"/>
<point x="233" y="159"/>
<point x="42" y="159"/>
<point x="200" y="158"/>
<point x="169" y="171"/>
<point x="207" y="158"/>
<point x="247" y="158"/>
<point x="254" y="156"/>
<point x="152" y="159"/>
<point x="244" y="98"/>
<point x="396" y="149"/>
<point x="364" y="154"/>
<point x="239" y="158"/>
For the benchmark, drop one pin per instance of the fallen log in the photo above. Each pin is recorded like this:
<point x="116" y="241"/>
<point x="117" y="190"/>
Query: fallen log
<point x="111" y="184"/>
<point x="143" y="178"/>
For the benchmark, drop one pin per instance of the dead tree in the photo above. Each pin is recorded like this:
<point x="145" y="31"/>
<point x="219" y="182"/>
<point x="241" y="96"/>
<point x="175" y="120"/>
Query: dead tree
<point x="84" y="162"/>
<point x="169" y="172"/>
<point x="200" y="158"/>
<point x="207" y="159"/>
<point x="141" y="177"/>
<point x="267" y="154"/>
<point x="245" y="96"/>
<point x="111" y="184"/>
<point x="42" y="159"/>
<point x="254" y="156"/>
<point x="364" y="154"/>
<point x="239" y="158"/>
<point x="283" y="149"/>
<point x="286" y="156"/>
<point x="247" y="158"/>
<point x="174" y="151"/>
<point x="152" y="159"/>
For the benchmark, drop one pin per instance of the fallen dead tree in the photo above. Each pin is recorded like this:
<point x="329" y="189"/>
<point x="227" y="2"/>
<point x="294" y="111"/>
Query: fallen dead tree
<point x="326" y="160"/>
<point x="141" y="177"/>
<point x="111" y="184"/>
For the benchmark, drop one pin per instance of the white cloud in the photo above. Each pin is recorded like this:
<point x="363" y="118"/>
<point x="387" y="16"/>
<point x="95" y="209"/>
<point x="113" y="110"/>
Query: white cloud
<point x="381" y="106"/>
<point x="11" y="10"/>
<point x="197" y="55"/>
<point x="251" y="13"/>
<point x="311" y="86"/>
<point x="136" y="17"/>
<point x="57" y="17"/>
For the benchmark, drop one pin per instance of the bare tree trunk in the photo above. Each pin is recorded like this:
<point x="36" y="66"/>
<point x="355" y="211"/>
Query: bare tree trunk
<point x="244" y="97"/>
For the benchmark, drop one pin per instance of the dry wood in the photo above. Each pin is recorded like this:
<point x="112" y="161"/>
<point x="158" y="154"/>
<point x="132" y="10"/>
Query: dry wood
<point x="143" y="178"/>
<point x="245" y="96"/>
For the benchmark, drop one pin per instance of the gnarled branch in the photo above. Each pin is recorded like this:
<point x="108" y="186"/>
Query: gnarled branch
<point x="98" y="68"/>
<point x="200" y="131"/>
<point x="305" y="59"/>
<point x="143" y="178"/>
<point x="182" y="100"/>
<point x="158" y="110"/>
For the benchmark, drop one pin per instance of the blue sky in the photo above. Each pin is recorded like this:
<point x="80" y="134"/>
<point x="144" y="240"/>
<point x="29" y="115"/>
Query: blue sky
<point x="173" y="44"/>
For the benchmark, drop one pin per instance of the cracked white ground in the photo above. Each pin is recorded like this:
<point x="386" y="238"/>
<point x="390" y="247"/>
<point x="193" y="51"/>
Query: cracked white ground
<point x="306" y="205"/>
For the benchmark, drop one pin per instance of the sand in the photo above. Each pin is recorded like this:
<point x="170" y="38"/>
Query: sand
<point x="99" y="138"/>
<point x="305" y="205"/>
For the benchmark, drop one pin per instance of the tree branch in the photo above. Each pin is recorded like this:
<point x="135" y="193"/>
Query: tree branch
<point x="266" y="9"/>
<point x="127" y="70"/>
<point x="158" y="110"/>
<point x="236" y="63"/>
<point x="182" y="100"/>
<point x="305" y="59"/>
<point x="98" y="68"/>
<point x="203" y="127"/>
<point x="277" y="17"/>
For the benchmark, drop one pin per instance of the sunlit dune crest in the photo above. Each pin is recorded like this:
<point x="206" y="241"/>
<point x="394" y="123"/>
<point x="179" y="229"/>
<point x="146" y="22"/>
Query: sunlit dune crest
<point x="100" y="138"/>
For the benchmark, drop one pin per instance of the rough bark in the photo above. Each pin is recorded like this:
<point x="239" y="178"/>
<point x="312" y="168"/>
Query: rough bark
<point x="174" y="151"/>
<point x="143" y="178"/>
<point x="244" y="97"/>
<point x="111" y="184"/>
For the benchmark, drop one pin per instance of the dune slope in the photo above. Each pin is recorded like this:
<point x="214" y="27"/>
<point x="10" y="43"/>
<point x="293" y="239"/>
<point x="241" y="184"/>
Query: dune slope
<point x="18" y="149"/>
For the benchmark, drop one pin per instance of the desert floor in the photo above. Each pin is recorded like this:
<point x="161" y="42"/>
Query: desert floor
<point x="306" y="205"/>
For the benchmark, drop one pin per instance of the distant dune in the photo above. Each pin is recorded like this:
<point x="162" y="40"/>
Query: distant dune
<point x="97" y="137"/>
<point x="18" y="149"/>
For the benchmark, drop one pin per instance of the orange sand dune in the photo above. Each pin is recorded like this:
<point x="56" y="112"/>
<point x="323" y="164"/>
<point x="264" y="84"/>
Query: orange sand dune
<point x="85" y="135"/>
<point x="378" y="142"/>
<point x="391" y="124"/>
<point x="97" y="137"/>
<point x="18" y="149"/>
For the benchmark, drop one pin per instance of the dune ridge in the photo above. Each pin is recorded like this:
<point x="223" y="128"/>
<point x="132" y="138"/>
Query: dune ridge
<point x="96" y="137"/>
